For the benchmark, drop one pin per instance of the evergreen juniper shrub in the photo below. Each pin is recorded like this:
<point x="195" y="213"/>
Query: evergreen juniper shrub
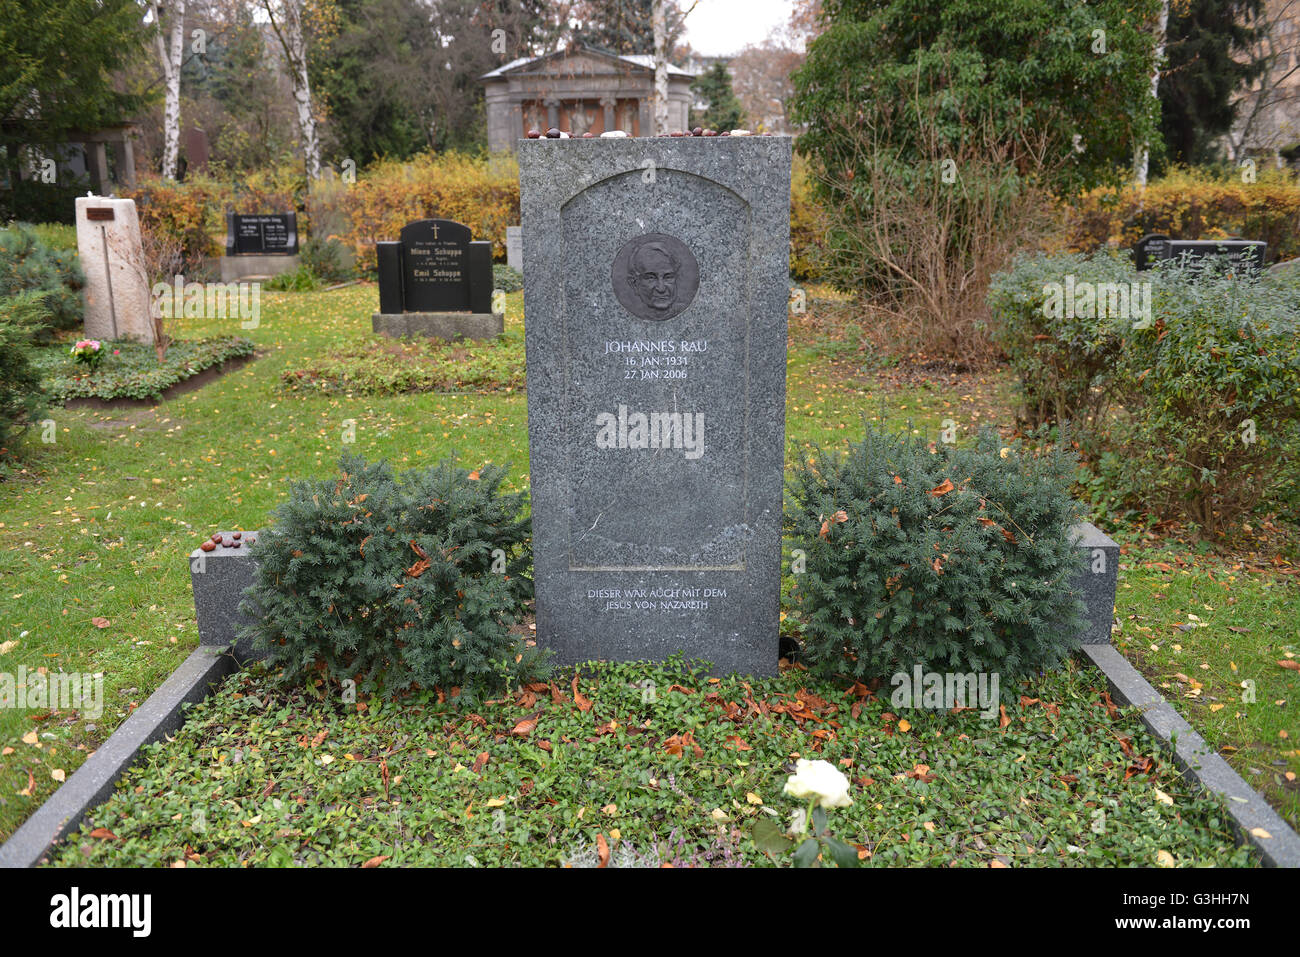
<point x="956" y="559"/>
<point x="396" y="582"/>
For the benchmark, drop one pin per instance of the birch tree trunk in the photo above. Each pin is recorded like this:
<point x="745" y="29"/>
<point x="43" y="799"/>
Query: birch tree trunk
<point x="1142" y="158"/>
<point x="288" y="30"/>
<point x="170" y="50"/>
<point x="661" y="69"/>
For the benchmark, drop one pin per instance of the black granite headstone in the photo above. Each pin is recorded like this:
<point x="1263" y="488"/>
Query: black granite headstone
<point x="264" y="234"/>
<point x="1195" y="253"/>
<point x="435" y="267"/>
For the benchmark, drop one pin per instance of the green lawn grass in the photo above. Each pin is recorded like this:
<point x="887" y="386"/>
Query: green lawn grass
<point x="1209" y="636"/>
<point x="95" y="530"/>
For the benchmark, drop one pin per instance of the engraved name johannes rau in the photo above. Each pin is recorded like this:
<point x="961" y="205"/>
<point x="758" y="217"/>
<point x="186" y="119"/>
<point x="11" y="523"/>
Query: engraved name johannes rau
<point x="655" y="276"/>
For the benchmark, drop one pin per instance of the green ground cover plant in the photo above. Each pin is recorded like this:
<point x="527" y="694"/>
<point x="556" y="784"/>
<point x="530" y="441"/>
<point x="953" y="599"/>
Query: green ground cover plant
<point x="130" y="370"/>
<point x="380" y="366"/>
<point x="660" y="764"/>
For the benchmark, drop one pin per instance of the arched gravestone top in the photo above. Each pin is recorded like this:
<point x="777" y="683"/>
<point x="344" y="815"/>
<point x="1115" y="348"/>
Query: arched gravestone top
<point x="435" y="265"/>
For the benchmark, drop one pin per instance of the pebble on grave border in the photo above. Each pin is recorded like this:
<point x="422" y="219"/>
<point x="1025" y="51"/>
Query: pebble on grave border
<point x="221" y="568"/>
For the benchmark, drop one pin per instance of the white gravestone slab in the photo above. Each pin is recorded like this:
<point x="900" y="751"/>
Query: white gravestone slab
<point x="117" y="280"/>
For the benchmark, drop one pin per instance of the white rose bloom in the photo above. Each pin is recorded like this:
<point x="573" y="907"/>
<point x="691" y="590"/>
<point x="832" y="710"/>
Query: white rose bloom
<point x="821" y="781"/>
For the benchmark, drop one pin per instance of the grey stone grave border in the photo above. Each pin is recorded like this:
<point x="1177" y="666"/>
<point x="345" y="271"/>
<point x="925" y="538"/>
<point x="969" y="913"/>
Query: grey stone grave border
<point x="92" y="783"/>
<point x="214" y="660"/>
<point x="1198" y="760"/>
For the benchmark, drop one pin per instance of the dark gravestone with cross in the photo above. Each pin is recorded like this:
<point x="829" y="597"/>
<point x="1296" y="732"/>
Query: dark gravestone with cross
<point x="436" y="281"/>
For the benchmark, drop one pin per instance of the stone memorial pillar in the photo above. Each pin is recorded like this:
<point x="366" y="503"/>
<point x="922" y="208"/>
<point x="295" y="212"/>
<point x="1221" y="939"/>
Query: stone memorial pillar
<point x="117" y="279"/>
<point x="656" y="288"/>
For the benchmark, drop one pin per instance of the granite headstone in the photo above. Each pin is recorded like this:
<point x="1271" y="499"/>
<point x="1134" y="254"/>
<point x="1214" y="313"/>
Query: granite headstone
<point x="118" y="301"/>
<point x="655" y="292"/>
<point x="1195" y="253"/>
<point x="259" y="246"/>
<point x="515" y="247"/>
<point x="436" y="281"/>
<point x="273" y="234"/>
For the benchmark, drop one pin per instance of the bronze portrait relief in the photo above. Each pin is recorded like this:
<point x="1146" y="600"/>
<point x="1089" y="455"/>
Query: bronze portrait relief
<point x="655" y="276"/>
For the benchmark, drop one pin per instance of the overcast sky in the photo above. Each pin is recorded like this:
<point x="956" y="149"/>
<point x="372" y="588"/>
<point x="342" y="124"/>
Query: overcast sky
<point x="722" y="27"/>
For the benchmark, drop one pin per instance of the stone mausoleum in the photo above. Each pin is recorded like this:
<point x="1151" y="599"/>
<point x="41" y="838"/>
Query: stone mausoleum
<point x="580" y="90"/>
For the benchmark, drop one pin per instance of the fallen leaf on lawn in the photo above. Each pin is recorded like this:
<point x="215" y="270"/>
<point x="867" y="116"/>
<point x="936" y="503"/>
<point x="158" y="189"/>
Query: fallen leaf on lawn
<point x="480" y="762"/>
<point x="495" y="802"/>
<point x="104" y="834"/>
<point x="375" y="861"/>
<point x="753" y="798"/>
<point x="1165" y="859"/>
<point x="31" y="738"/>
<point x="904" y="726"/>
<point x="1162" y="797"/>
<point x="7" y="646"/>
<point x="1293" y="665"/>
<point x="58" y="775"/>
<point x="943" y="488"/>
<point x="99" y="622"/>
<point x="602" y="848"/>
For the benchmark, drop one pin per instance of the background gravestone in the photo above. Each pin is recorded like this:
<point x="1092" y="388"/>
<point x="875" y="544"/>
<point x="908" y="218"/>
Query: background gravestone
<point x="436" y="281"/>
<point x="259" y="246"/>
<point x="515" y="247"/>
<point x="117" y="280"/>
<point x="655" y="329"/>
<point x="1154" y="248"/>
